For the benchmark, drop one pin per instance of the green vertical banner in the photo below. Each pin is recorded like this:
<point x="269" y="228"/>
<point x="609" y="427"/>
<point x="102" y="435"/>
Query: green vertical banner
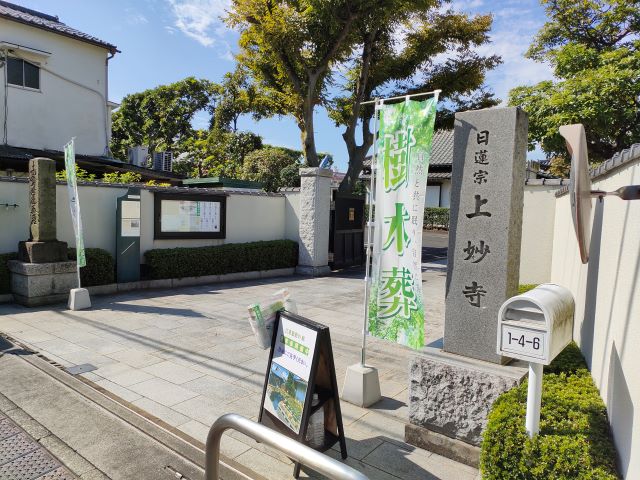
<point x="74" y="204"/>
<point x="396" y="305"/>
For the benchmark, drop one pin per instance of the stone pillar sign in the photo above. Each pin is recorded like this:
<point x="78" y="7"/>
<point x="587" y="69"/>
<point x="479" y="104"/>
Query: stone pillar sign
<point x="452" y="389"/>
<point x="42" y="246"/>
<point x="315" y="205"/>
<point x="43" y="273"/>
<point x="486" y="227"/>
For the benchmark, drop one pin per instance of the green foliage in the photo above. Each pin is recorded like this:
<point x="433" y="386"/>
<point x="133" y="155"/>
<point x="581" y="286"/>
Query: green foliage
<point x="525" y="287"/>
<point x="436" y="217"/>
<point x="5" y="275"/>
<point x="81" y="175"/>
<point x="161" y="117"/>
<point x="121" y="177"/>
<point x="272" y="166"/>
<point x="221" y="259"/>
<point x="100" y="268"/>
<point x="289" y="49"/>
<point x="216" y="153"/>
<point x="594" y="50"/>
<point x="574" y="440"/>
<point x="385" y="66"/>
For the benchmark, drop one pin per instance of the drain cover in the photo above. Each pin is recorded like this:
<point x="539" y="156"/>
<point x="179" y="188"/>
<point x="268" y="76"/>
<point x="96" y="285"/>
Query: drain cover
<point x="82" y="368"/>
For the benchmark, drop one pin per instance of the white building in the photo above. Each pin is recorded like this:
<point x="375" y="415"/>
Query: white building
<point x="55" y="84"/>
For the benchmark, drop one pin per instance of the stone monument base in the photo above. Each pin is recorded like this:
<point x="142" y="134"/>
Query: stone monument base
<point x="43" y="252"/>
<point x="35" y="284"/>
<point x="449" y="399"/>
<point x="313" y="271"/>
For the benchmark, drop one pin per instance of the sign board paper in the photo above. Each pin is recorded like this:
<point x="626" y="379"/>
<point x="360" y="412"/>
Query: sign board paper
<point x="288" y="381"/>
<point x="190" y="216"/>
<point x="396" y="306"/>
<point x="301" y="365"/>
<point x="185" y="215"/>
<point x="130" y="223"/>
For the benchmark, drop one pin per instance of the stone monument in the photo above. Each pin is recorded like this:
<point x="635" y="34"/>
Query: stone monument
<point x="315" y="212"/>
<point x="452" y="388"/>
<point x="42" y="274"/>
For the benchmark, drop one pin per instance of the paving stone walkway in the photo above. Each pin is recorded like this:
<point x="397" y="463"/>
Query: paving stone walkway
<point x="23" y="458"/>
<point x="187" y="356"/>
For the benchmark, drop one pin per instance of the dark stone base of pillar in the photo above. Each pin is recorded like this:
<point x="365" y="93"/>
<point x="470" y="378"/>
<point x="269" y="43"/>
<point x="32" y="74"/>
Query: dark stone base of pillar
<point x="442" y="445"/>
<point x="43" y="252"/>
<point x="36" y="284"/>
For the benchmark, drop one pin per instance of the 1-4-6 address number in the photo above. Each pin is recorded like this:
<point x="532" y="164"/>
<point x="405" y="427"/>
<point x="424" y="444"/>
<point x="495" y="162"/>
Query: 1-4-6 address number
<point x="523" y="341"/>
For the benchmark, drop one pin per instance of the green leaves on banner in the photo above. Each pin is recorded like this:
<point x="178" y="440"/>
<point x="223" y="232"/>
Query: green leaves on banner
<point x="396" y="307"/>
<point x="74" y="205"/>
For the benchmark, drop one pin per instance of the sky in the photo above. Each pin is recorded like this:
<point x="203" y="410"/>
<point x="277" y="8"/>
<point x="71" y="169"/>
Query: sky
<point x="162" y="41"/>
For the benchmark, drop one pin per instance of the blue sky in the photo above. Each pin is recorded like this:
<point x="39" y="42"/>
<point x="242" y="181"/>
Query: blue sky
<point x="166" y="40"/>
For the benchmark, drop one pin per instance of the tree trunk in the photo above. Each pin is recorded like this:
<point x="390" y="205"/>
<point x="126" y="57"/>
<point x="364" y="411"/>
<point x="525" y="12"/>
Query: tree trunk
<point x="353" y="172"/>
<point x="307" y="133"/>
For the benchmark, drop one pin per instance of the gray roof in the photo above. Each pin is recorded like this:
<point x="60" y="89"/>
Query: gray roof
<point x="624" y="157"/>
<point x="51" y="23"/>
<point x="442" y="148"/>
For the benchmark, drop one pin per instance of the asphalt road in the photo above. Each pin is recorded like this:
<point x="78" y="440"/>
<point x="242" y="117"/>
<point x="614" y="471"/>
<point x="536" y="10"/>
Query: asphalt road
<point x="434" y="245"/>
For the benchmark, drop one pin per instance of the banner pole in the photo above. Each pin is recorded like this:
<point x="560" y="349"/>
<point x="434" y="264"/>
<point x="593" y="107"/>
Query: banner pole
<point x="371" y="205"/>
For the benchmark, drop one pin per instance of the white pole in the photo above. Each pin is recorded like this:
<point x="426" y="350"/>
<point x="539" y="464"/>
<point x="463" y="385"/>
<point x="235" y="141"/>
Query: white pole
<point x="370" y="204"/>
<point x="534" y="397"/>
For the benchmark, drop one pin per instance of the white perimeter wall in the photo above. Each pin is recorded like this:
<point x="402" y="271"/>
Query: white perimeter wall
<point x="607" y="293"/>
<point x="537" y="233"/>
<point x="249" y="218"/>
<point x="47" y="119"/>
<point x="292" y="215"/>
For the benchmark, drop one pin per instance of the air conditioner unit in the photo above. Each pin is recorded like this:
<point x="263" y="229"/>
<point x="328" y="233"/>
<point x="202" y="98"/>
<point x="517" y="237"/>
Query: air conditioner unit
<point x="162" y="161"/>
<point x="138" y="155"/>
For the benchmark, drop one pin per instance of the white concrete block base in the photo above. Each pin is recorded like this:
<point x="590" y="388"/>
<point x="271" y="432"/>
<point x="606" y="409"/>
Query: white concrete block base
<point x="361" y="385"/>
<point x="79" y="299"/>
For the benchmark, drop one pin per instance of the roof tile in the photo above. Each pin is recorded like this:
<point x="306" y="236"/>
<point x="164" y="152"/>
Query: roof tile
<point x="48" y="22"/>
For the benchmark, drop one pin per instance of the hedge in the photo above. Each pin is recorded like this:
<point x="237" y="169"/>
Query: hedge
<point x="221" y="259"/>
<point x="5" y="276"/>
<point x="436" y="217"/>
<point x="100" y="268"/>
<point x="574" y="440"/>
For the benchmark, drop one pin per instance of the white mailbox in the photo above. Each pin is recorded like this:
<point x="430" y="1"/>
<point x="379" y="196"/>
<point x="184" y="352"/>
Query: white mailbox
<point x="535" y="326"/>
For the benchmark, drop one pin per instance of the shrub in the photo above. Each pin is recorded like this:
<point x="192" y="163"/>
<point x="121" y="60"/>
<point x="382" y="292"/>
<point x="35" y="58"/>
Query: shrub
<point x="221" y="259"/>
<point x="436" y="217"/>
<point x="100" y="268"/>
<point x="5" y="276"/>
<point x="525" y="287"/>
<point x="574" y="439"/>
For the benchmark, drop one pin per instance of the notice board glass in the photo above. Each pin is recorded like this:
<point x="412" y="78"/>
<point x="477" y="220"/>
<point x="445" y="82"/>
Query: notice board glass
<point x="189" y="216"/>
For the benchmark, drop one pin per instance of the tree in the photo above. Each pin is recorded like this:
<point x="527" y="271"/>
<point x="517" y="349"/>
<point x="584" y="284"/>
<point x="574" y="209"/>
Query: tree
<point x="216" y="153"/>
<point x="398" y="43"/>
<point x="237" y="96"/>
<point x="161" y="117"/>
<point x="274" y="167"/>
<point x="289" y="46"/>
<point x="594" y="50"/>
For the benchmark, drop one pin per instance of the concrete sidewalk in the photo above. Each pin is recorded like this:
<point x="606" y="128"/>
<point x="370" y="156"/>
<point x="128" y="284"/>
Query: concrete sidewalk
<point x="188" y="356"/>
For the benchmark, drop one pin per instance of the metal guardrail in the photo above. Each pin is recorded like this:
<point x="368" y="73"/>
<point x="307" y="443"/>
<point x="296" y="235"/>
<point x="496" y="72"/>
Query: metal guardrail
<point x="296" y="451"/>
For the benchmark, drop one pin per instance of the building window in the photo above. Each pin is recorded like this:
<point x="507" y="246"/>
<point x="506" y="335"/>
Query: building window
<point x="22" y="73"/>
